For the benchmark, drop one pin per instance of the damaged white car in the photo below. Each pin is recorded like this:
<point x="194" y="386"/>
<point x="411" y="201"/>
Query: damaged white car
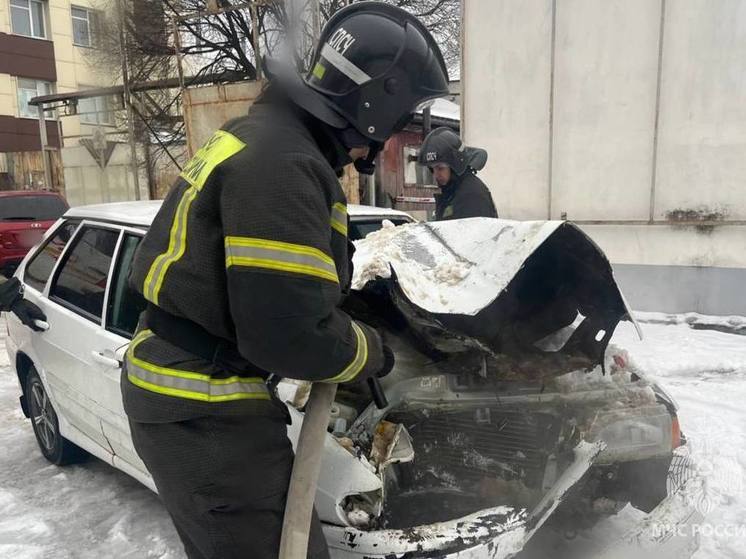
<point x="507" y="406"/>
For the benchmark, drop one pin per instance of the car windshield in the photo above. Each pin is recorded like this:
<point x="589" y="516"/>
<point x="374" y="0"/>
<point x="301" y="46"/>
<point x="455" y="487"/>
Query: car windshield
<point x="31" y="208"/>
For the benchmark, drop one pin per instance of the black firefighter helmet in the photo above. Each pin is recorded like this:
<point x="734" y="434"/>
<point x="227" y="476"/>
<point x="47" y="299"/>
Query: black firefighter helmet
<point x="374" y="65"/>
<point x="443" y="145"/>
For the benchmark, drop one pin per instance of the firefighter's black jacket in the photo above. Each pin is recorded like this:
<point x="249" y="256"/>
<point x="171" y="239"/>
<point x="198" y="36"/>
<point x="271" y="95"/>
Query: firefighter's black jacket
<point x="251" y="245"/>
<point x="8" y="294"/>
<point x="464" y="196"/>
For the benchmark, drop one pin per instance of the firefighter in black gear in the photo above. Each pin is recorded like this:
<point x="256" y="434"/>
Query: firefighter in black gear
<point x="11" y="300"/>
<point x="244" y="269"/>
<point x="454" y="167"/>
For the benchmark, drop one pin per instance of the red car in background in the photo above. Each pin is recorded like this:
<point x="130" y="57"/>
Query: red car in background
<point x="25" y="215"/>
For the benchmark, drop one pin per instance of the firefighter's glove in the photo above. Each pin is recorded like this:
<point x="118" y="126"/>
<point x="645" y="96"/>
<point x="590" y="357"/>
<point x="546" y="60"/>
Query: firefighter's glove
<point x="10" y="293"/>
<point x="27" y="312"/>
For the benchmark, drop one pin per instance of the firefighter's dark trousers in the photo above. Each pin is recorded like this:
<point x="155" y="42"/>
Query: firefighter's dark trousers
<point x="224" y="481"/>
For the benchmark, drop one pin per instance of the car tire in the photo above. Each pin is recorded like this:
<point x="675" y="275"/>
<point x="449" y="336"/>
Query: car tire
<point x="55" y="448"/>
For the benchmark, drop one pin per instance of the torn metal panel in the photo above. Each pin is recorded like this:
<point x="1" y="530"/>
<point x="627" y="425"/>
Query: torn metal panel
<point x="392" y="444"/>
<point x="342" y="475"/>
<point x="495" y="533"/>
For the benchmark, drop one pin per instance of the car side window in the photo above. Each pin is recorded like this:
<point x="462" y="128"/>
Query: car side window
<point x="80" y="283"/>
<point x="40" y="267"/>
<point x="125" y="304"/>
<point x="359" y="229"/>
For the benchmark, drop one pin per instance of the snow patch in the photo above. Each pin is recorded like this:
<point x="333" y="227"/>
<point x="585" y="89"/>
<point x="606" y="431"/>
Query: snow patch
<point x="358" y="518"/>
<point x="453" y="266"/>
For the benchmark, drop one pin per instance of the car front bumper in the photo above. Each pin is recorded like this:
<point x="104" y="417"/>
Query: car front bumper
<point x="667" y="532"/>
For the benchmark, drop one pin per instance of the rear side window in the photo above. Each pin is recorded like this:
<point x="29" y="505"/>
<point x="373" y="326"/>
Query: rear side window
<point x="125" y="304"/>
<point x="41" y="266"/>
<point x="32" y="208"/>
<point x="81" y="280"/>
<point x="363" y="228"/>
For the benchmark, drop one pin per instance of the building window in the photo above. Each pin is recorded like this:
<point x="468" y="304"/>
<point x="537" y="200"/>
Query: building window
<point x="96" y="110"/>
<point x="27" y="18"/>
<point x="414" y="173"/>
<point x="27" y="90"/>
<point x="83" y="26"/>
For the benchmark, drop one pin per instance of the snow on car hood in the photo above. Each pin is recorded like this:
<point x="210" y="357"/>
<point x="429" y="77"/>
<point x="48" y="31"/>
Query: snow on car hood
<point x="510" y="285"/>
<point x="457" y="266"/>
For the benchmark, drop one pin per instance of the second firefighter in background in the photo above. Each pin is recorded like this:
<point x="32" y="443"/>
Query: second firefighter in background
<point x="454" y="166"/>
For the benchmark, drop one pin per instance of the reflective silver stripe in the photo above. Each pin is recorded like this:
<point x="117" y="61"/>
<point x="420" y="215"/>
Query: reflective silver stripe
<point x="339" y="212"/>
<point x="216" y="390"/>
<point x="358" y="362"/>
<point x="343" y="65"/>
<point x="279" y="256"/>
<point x="339" y="218"/>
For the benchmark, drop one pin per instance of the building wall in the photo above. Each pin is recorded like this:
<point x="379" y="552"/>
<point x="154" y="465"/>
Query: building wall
<point x="628" y="117"/>
<point x="55" y="59"/>
<point x="74" y="69"/>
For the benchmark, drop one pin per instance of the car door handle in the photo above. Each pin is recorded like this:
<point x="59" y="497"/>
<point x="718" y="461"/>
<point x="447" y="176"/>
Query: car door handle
<point x="102" y="359"/>
<point x="41" y="325"/>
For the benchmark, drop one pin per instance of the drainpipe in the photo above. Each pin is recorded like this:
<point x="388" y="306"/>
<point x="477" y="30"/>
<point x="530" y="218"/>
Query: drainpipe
<point x="44" y="148"/>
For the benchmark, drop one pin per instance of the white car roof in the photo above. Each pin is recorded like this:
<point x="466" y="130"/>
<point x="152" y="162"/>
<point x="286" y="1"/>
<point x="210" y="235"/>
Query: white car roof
<point x="129" y="213"/>
<point x="143" y="213"/>
<point x="356" y="210"/>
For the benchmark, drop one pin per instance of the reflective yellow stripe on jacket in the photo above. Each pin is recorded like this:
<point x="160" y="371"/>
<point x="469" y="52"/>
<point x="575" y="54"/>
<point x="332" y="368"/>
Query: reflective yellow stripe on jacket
<point x="339" y="218"/>
<point x="358" y="362"/>
<point x="276" y="255"/>
<point x="220" y="147"/>
<point x="188" y="384"/>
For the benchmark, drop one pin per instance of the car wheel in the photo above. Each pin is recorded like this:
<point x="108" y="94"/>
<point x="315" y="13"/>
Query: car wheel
<point x="52" y="444"/>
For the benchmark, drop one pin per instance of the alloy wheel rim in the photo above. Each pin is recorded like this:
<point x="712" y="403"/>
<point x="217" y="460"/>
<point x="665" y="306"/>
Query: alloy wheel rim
<point x="43" y="416"/>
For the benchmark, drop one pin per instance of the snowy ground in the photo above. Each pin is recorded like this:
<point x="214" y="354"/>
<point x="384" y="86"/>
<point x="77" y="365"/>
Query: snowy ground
<point x="92" y="510"/>
<point x="86" y="511"/>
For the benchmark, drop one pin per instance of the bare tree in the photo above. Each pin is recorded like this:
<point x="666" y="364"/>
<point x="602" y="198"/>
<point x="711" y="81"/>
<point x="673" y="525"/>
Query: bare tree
<point x="216" y="37"/>
<point x="224" y="42"/>
<point x="139" y="35"/>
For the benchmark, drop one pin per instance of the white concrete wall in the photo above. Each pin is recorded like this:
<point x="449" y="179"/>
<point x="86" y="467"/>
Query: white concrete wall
<point x="86" y="183"/>
<point x="507" y="51"/>
<point x="702" y="134"/>
<point x="606" y="59"/>
<point x="617" y="114"/>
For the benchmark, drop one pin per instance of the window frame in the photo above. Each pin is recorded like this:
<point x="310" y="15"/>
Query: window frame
<point x="73" y="17"/>
<point x="131" y="231"/>
<point x="413" y="150"/>
<point x="105" y="117"/>
<point x="356" y="221"/>
<point x="29" y="10"/>
<point x="43" y="244"/>
<point x="48" y="115"/>
<point x="84" y="224"/>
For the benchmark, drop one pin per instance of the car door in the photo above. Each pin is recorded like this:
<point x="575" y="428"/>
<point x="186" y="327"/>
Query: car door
<point x="76" y="348"/>
<point x="123" y="309"/>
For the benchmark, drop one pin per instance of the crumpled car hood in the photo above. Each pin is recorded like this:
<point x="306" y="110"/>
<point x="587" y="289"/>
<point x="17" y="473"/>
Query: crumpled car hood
<point x="509" y="287"/>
